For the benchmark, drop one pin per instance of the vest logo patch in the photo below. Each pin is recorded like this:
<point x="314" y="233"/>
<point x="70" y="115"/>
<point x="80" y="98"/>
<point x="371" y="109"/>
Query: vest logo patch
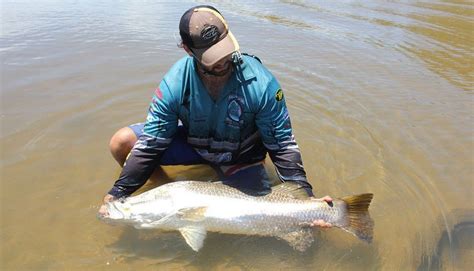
<point x="279" y="95"/>
<point x="234" y="110"/>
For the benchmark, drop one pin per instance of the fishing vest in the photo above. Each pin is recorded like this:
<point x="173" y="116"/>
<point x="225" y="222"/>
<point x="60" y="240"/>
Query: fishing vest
<point x="230" y="129"/>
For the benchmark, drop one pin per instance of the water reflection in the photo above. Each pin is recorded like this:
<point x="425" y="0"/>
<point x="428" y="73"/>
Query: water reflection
<point x="451" y="54"/>
<point x="454" y="248"/>
<point x="222" y="251"/>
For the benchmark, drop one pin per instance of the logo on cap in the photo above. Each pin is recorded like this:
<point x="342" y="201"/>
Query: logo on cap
<point x="209" y="32"/>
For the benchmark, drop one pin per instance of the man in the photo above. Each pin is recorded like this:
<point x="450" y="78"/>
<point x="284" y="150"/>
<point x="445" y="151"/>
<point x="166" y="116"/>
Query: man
<point x="232" y="112"/>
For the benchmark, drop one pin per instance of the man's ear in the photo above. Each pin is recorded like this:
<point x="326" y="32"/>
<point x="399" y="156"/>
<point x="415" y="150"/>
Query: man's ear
<point x="186" y="48"/>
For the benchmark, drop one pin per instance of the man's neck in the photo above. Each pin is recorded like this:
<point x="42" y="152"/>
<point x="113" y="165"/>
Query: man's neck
<point x="214" y="84"/>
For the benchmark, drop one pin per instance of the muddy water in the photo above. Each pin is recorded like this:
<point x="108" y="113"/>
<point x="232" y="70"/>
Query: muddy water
<point x="380" y="95"/>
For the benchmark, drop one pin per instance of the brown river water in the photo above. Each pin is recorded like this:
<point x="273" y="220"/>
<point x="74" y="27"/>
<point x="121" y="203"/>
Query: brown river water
<point x="380" y="95"/>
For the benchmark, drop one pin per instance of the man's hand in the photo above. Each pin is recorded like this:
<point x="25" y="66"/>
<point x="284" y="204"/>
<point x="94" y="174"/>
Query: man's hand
<point x="321" y="223"/>
<point x="103" y="209"/>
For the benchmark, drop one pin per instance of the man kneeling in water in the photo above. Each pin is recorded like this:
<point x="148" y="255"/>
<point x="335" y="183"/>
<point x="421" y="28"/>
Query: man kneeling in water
<point x="215" y="106"/>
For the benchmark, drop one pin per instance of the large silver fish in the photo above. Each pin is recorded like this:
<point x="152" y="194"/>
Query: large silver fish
<point x="194" y="208"/>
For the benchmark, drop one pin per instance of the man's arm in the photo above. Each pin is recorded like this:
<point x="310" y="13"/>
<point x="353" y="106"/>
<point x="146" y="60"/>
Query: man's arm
<point x="274" y="124"/>
<point x="289" y="165"/>
<point x="160" y="127"/>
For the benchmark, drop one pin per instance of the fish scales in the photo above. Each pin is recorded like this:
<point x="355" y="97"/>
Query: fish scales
<point x="232" y="211"/>
<point x="194" y="208"/>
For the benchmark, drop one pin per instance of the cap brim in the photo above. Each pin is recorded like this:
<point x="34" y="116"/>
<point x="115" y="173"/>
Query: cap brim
<point x="210" y="56"/>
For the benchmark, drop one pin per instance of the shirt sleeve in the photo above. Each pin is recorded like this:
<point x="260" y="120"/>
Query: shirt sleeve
<point x="274" y="124"/>
<point x="160" y="127"/>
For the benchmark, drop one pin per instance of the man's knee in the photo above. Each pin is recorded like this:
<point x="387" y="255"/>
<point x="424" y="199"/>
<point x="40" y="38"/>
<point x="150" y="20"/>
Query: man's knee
<point x="121" y="143"/>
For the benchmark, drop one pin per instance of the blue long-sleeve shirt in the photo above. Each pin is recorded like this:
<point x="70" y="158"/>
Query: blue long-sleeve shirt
<point x="249" y="119"/>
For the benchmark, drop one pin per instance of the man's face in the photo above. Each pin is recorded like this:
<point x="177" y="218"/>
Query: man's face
<point x="221" y="68"/>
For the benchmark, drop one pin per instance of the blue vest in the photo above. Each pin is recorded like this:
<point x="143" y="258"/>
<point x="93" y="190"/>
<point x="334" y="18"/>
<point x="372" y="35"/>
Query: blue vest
<point x="249" y="116"/>
<point x="248" y="119"/>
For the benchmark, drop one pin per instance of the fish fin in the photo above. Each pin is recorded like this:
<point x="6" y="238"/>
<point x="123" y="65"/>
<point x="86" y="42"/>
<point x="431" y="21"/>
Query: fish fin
<point x="358" y="220"/>
<point x="145" y="226"/>
<point x="193" y="213"/>
<point x="291" y="189"/>
<point x="194" y="236"/>
<point x="163" y="221"/>
<point x="157" y="223"/>
<point x="300" y="240"/>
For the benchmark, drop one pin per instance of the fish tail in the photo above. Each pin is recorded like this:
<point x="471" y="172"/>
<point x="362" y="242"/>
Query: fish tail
<point x="358" y="220"/>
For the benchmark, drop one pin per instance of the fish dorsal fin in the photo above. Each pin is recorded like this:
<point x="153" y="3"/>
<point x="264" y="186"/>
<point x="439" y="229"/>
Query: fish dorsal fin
<point x="194" y="236"/>
<point x="291" y="189"/>
<point x="192" y="213"/>
<point x="300" y="239"/>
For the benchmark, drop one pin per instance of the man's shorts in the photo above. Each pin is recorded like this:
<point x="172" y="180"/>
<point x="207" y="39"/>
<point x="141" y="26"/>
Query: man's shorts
<point x="252" y="177"/>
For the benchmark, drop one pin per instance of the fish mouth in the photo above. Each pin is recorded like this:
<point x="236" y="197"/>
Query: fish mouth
<point x="113" y="213"/>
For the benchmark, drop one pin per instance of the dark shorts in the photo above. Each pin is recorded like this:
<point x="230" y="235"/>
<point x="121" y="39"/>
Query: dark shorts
<point x="243" y="176"/>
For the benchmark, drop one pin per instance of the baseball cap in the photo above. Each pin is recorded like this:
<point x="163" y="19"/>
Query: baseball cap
<point x="206" y="33"/>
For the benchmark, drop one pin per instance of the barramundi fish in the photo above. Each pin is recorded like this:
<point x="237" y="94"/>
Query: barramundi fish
<point x="193" y="208"/>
